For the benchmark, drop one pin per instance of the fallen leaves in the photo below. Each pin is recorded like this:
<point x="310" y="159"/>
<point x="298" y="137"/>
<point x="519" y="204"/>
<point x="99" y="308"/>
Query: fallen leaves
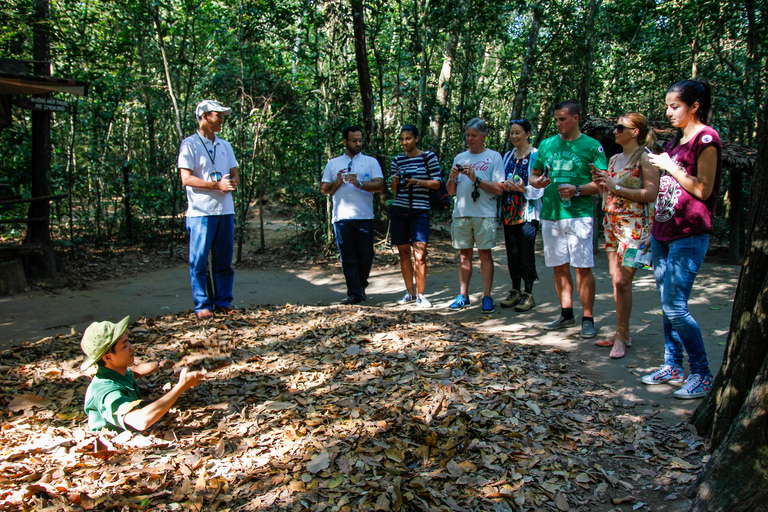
<point x="333" y="408"/>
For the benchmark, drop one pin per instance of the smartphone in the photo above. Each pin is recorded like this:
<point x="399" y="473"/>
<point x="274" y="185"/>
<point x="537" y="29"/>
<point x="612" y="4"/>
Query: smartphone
<point x="546" y="170"/>
<point x="648" y="150"/>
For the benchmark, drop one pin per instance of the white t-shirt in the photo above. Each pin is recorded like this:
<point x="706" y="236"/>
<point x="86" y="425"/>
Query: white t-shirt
<point x="489" y="166"/>
<point x="195" y="154"/>
<point x="349" y="202"/>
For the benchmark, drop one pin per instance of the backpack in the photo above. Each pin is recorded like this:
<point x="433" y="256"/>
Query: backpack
<point x="440" y="199"/>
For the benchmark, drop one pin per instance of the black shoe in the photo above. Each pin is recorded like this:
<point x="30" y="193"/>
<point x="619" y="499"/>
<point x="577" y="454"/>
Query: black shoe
<point x="352" y="299"/>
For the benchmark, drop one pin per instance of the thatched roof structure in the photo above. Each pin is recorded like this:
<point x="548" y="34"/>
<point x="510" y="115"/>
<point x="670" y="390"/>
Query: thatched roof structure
<point x="735" y="156"/>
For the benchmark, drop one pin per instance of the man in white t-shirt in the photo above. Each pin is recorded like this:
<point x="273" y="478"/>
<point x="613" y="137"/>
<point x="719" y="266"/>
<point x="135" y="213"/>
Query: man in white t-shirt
<point x="476" y="180"/>
<point x="351" y="179"/>
<point x="209" y="172"/>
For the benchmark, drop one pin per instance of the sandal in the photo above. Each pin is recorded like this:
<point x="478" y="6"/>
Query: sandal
<point x="615" y="354"/>
<point x="609" y="343"/>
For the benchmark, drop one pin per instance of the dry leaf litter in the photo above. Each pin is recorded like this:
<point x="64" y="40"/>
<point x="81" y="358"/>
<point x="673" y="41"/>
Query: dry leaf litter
<point x="338" y="409"/>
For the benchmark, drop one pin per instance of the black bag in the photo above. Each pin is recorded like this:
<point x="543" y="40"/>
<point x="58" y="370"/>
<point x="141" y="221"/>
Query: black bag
<point x="440" y="199"/>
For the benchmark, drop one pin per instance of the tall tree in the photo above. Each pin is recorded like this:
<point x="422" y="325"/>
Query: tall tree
<point x="363" y="69"/>
<point x="734" y="415"/>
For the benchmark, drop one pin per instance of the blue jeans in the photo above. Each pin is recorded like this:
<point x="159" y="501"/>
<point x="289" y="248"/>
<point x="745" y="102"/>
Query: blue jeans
<point x="354" y="238"/>
<point x="214" y="234"/>
<point x="675" y="265"/>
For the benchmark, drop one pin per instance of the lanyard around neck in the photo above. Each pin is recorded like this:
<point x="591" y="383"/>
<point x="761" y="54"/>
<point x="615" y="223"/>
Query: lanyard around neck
<point x="213" y="158"/>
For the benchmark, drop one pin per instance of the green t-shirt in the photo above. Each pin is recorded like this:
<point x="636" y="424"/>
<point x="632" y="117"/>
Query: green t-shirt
<point x="568" y="163"/>
<point x="110" y="396"/>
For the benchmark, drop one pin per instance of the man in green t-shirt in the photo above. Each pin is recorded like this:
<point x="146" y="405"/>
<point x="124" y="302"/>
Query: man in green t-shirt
<point x="565" y="161"/>
<point x="112" y="398"/>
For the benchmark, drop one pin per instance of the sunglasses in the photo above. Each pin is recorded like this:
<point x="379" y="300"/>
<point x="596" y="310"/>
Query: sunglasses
<point x="620" y="128"/>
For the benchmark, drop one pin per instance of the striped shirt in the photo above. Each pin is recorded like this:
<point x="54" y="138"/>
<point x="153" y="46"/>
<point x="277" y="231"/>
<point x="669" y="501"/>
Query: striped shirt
<point x="415" y="169"/>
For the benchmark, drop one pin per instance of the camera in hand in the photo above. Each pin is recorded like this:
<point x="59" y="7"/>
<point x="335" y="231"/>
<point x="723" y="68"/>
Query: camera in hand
<point x="402" y="176"/>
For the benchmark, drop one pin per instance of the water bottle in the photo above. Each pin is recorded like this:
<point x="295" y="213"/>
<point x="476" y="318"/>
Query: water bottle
<point x="517" y="180"/>
<point x="366" y="177"/>
<point x="566" y="200"/>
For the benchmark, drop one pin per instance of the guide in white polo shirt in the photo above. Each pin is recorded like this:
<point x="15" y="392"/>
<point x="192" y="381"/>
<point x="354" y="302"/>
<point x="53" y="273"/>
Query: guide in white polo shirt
<point x="209" y="173"/>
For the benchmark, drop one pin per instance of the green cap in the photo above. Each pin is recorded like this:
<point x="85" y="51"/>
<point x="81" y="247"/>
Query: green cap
<point x="99" y="337"/>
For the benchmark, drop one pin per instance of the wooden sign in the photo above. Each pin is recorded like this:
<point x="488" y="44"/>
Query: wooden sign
<point x="42" y="104"/>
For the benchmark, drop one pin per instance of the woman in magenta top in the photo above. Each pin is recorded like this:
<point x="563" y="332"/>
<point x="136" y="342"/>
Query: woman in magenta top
<point x="689" y="185"/>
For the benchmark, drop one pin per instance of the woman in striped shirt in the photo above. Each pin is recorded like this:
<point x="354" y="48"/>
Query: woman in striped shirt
<point x="414" y="173"/>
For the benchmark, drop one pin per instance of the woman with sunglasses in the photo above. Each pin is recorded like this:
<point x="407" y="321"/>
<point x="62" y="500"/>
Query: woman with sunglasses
<point x="629" y="186"/>
<point x="414" y="173"/>
<point x="691" y="168"/>
<point x="520" y="207"/>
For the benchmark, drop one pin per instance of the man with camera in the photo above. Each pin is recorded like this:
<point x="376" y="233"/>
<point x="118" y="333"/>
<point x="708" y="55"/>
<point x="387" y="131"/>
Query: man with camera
<point x="351" y="179"/>
<point x="209" y="172"/>
<point x="476" y="179"/>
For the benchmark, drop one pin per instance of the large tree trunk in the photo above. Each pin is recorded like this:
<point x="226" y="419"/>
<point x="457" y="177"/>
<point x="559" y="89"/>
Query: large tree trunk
<point x="363" y="70"/>
<point x="444" y="90"/>
<point x="39" y="227"/>
<point x="589" y="57"/>
<point x="526" y="71"/>
<point x="734" y="416"/>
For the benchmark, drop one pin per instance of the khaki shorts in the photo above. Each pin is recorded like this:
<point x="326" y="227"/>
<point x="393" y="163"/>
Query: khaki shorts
<point x="469" y="232"/>
<point x="568" y="241"/>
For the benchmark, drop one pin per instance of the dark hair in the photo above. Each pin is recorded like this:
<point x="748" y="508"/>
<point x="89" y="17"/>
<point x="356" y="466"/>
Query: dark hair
<point x="346" y="131"/>
<point x="695" y="91"/>
<point x="111" y="350"/>
<point x="524" y="123"/>
<point x="571" y="106"/>
<point x="410" y="128"/>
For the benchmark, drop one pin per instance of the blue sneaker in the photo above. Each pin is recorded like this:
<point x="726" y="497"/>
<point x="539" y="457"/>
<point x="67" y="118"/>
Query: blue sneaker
<point x="460" y="302"/>
<point x="696" y="386"/>
<point x="488" y="306"/>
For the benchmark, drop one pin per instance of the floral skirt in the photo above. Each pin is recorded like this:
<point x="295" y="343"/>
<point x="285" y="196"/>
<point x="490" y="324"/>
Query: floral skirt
<point x="623" y="230"/>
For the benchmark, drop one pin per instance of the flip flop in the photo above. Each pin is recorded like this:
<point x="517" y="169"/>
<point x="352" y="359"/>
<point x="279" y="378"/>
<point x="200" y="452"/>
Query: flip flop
<point x="608" y="343"/>
<point x="618" y="355"/>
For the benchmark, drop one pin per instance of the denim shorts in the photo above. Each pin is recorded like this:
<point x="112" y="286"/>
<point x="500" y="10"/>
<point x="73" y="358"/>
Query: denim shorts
<point x="408" y="228"/>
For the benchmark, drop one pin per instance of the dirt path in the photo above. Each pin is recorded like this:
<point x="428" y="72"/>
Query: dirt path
<point x="32" y="316"/>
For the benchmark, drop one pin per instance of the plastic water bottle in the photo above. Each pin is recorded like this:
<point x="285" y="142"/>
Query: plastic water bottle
<point x="517" y="180"/>
<point x="366" y="177"/>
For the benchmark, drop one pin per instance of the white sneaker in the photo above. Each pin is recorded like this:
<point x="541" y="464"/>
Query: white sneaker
<point x="407" y="298"/>
<point x="422" y="302"/>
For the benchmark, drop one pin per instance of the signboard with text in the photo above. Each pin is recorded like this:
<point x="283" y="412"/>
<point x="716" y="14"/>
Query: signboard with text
<point x="42" y="104"/>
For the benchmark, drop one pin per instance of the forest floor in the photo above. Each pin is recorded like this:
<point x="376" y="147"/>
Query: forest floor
<point x="309" y="405"/>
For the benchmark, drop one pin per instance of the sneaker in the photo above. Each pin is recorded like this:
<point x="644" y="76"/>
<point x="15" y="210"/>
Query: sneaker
<point x="422" y="302"/>
<point x="663" y="375"/>
<point x="526" y="303"/>
<point x="352" y="299"/>
<point x="460" y="302"/>
<point x="407" y="298"/>
<point x="513" y="299"/>
<point x="588" y="329"/>
<point x="488" y="306"/>
<point x="696" y="386"/>
<point x="559" y="323"/>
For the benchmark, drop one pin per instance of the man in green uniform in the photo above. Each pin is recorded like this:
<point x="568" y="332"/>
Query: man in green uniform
<point x="112" y="399"/>
<point x="565" y="161"/>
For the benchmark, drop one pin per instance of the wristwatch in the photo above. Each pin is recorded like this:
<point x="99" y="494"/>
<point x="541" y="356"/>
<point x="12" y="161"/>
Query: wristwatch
<point x="617" y="188"/>
<point x="578" y="191"/>
<point x="477" y="180"/>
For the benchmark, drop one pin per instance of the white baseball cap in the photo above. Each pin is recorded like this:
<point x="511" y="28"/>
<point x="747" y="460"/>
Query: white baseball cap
<point x="211" y="106"/>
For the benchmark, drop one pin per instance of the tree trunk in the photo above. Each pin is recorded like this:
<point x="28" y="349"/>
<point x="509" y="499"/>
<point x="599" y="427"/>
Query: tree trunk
<point x="589" y="57"/>
<point x="526" y="72"/>
<point x="734" y="415"/>
<point x="444" y="90"/>
<point x="38" y="231"/>
<point x="363" y="70"/>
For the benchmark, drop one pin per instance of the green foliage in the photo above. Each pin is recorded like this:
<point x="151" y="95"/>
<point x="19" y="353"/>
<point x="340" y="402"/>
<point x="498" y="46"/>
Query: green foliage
<point x="288" y="70"/>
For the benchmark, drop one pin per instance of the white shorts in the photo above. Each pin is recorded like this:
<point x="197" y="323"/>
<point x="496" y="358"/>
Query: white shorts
<point x="568" y="241"/>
